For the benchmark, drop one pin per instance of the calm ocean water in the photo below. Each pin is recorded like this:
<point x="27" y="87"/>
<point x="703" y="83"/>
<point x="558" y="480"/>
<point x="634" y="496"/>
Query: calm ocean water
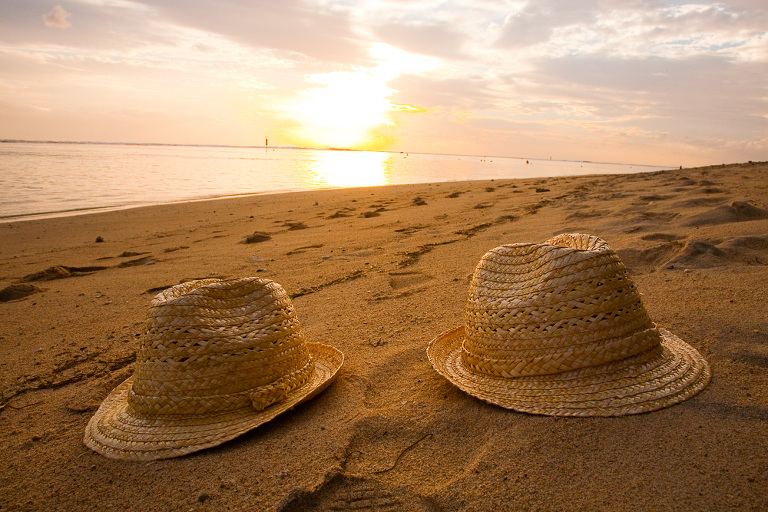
<point x="62" y="178"/>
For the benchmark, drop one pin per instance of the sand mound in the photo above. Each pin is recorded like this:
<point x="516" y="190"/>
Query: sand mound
<point x="673" y="253"/>
<point x="640" y="261"/>
<point x="18" y="291"/>
<point x="699" y="254"/>
<point x="746" y="250"/>
<point x="59" y="272"/>
<point x="754" y="243"/>
<point x="699" y="201"/>
<point x="738" y="211"/>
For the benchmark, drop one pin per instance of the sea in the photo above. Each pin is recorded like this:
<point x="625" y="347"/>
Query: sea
<point x="50" y="179"/>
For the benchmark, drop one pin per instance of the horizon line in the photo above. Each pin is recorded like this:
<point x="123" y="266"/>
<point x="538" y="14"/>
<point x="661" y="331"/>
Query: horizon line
<point x="327" y="148"/>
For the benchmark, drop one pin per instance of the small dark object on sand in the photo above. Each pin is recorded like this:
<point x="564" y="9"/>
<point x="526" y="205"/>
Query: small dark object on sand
<point x="99" y="239"/>
<point x="293" y="226"/>
<point x="257" y="236"/>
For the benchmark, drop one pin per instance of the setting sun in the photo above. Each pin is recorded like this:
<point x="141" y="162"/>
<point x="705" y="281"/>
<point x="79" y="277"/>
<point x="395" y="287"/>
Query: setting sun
<point x="343" y="110"/>
<point x="349" y="109"/>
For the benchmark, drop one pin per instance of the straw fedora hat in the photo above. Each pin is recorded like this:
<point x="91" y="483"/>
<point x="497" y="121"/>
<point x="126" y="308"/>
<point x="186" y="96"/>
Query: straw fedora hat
<point x="558" y="328"/>
<point x="217" y="358"/>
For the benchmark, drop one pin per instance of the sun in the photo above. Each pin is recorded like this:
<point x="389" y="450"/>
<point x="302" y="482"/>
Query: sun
<point x="343" y="109"/>
<point x="351" y="109"/>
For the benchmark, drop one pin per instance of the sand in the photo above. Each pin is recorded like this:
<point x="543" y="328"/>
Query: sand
<point x="378" y="273"/>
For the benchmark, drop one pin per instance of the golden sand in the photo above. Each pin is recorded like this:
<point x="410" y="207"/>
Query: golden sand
<point x="377" y="273"/>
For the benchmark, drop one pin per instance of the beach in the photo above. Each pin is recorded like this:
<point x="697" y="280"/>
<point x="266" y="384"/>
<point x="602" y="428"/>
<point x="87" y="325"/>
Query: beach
<point x="377" y="273"/>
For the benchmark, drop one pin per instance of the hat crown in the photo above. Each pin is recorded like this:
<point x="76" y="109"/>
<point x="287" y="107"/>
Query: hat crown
<point x="213" y="345"/>
<point x="565" y="304"/>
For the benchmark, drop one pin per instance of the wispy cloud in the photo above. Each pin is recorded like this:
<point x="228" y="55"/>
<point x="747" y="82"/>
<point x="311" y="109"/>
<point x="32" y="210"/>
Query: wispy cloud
<point x="57" y="18"/>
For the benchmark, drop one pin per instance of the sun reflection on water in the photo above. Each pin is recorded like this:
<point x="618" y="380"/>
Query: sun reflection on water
<point x="350" y="168"/>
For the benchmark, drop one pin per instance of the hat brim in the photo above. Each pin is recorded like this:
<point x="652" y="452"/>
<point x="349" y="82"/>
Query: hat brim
<point x="114" y="431"/>
<point x="634" y="385"/>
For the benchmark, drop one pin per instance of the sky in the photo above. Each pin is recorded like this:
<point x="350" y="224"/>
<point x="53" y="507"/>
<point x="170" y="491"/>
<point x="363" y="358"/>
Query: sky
<point x="634" y="81"/>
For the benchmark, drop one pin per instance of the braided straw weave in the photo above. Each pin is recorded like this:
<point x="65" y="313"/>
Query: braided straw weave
<point x="558" y="328"/>
<point x="217" y="358"/>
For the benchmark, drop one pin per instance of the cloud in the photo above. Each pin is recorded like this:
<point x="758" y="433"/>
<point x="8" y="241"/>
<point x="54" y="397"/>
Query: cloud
<point x="536" y="22"/>
<point x="700" y="89"/>
<point x="434" y="40"/>
<point x="513" y="70"/>
<point x="464" y="93"/>
<point x="57" y="18"/>
<point x="307" y="28"/>
<point x="108" y="26"/>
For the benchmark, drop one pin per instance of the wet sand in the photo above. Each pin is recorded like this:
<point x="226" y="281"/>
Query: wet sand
<point x="377" y="273"/>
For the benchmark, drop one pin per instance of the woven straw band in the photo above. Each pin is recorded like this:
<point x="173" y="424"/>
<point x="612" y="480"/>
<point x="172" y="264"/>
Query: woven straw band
<point x="537" y="309"/>
<point x="212" y="345"/>
<point x="564" y="359"/>
<point x="259" y="398"/>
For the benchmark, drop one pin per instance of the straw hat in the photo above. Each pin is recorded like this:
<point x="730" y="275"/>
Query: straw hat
<point x="558" y="328"/>
<point x="218" y="358"/>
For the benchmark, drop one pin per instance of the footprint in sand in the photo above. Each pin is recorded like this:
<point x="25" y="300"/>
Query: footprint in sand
<point x="344" y="212"/>
<point x="661" y="237"/>
<point x="300" y="250"/>
<point x="174" y="249"/>
<point x="400" y="280"/>
<point x="124" y="254"/>
<point x="339" y="491"/>
<point x="146" y="260"/>
<point x="409" y="230"/>
<point x="637" y="217"/>
<point x="752" y="359"/>
<point x="294" y="226"/>
<point x="685" y="182"/>
<point x="403" y="284"/>
<point x="470" y="232"/>
<point x="653" y="198"/>
<point x="590" y="214"/>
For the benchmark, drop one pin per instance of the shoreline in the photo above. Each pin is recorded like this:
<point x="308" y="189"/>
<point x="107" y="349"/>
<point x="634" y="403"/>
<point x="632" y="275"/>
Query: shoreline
<point x="104" y="209"/>
<point x="378" y="272"/>
<point x="77" y="182"/>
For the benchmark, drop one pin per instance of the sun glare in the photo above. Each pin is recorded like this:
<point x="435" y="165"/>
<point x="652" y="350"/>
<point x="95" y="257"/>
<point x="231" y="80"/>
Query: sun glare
<point x="343" y="110"/>
<point x="350" y="168"/>
<point x="348" y="109"/>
